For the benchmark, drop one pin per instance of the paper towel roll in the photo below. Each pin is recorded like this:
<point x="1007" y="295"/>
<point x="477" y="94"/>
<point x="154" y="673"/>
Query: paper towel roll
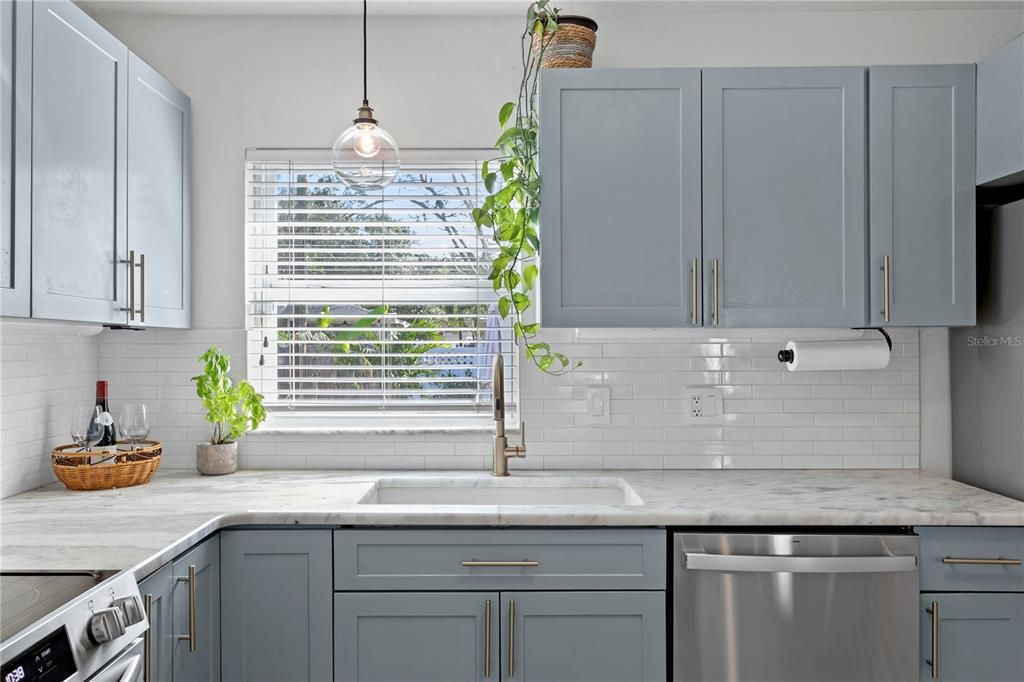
<point x="810" y="356"/>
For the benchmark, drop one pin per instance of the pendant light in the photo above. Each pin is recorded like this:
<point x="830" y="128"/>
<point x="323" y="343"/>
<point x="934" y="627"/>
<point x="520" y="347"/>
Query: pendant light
<point x="365" y="155"/>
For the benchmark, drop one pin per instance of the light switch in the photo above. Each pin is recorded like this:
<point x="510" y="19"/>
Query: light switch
<point x="702" y="405"/>
<point x="599" y="405"/>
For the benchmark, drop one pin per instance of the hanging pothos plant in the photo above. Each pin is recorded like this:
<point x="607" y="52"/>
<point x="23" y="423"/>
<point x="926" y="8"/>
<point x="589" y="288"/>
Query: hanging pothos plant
<point x="512" y="206"/>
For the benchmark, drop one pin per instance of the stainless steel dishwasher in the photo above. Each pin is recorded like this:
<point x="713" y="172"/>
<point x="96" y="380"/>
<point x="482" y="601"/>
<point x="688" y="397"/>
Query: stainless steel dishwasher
<point x="795" y="607"/>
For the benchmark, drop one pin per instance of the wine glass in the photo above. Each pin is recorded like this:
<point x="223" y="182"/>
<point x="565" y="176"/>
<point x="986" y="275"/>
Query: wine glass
<point x="134" y="423"/>
<point x="85" y="430"/>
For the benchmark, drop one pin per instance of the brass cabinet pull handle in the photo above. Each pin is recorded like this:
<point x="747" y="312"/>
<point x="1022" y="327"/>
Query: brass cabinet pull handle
<point x="934" y="661"/>
<point x="147" y="645"/>
<point x="982" y="562"/>
<point x="512" y="638"/>
<point x="498" y="564"/>
<point x="142" y="287"/>
<point x="714" y="292"/>
<point x="693" y="291"/>
<point x="487" y="638"/>
<point x="191" y="636"/>
<point x="885" y="289"/>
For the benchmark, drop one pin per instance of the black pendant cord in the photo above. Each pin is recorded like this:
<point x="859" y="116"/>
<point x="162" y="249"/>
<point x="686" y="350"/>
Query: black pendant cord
<point x="366" y="102"/>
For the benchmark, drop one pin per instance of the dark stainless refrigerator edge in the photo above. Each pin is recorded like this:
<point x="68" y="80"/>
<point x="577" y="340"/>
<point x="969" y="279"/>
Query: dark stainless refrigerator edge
<point x="987" y="362"/>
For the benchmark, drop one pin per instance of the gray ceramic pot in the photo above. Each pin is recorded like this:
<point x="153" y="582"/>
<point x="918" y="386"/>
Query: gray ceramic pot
<point x="217" y="460"/>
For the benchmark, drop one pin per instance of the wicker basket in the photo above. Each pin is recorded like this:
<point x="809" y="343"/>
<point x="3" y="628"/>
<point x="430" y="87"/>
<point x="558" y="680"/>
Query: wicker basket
<point x="123" y="470"/>
<point x="571" y="46"/>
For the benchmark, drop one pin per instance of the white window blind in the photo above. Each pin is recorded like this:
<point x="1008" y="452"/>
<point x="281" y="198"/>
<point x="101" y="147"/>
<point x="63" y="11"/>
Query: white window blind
<point x="371" y="302"/>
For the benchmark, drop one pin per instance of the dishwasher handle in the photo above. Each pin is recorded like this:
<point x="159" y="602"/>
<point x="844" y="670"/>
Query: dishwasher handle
<point x="701" y="561"/>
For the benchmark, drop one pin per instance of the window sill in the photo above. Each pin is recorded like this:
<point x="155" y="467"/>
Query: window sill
<point x="320" y="424"/>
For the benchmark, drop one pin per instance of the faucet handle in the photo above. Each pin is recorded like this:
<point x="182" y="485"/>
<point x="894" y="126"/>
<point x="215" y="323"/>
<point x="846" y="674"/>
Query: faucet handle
<point x="522" y="434"/>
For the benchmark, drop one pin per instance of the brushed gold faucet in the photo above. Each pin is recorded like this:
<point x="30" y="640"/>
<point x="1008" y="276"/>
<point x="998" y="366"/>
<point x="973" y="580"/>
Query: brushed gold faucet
<point x="502" y="450"/>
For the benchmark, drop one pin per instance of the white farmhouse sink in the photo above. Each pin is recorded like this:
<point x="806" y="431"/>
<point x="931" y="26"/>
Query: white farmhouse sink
<point x="556" y="490"/>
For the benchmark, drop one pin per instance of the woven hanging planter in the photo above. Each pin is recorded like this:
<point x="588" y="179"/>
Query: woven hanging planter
<point x="571" y="46"/>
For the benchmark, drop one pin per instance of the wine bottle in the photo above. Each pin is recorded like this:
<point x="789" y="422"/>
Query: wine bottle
<point x="109" y="432"/>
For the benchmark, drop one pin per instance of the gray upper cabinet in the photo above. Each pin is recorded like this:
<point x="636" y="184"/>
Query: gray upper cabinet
<point x="1000" y="111"/>
<point x="79" y="163"/>
<point x="422" y="636"/>
<point x="784" y="202"/>
<point x="620" y="211"/>
<point x="196" y="615"/>
<point x="922" y="151"/>
<point x="15" y="158"/>
<point x="593" y="636"/>
<point x="973" y="637"/>
<point x="159" y="122"/>
<point x="157" y="594"/>
<point x="276" y="605"/>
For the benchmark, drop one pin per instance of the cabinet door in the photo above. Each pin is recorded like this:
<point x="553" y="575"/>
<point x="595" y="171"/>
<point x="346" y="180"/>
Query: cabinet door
<point x="79" y="152"/>
<point x="156" y="593"/>
<point x="922" y="195"/>
<point x="276" y="605"/>
<point x="15" y="158"/>
<point x="978" y="636"/>
<point x="784" y="197"/>
<point x="198" y="661"/>
<point x="593" y="636"/>
<point x="1000" y="111"/>
<point x="620" y="216"/>
<point x="422" y="636"/>
<point x="159" y="124"/>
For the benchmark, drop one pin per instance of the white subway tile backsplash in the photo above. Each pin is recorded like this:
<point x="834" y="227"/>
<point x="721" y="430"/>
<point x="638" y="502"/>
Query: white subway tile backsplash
<point x="772" y="417"/>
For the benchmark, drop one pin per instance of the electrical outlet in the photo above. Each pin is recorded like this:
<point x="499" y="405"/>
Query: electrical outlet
<point x="599" y="405"/>
<point x="703" y="405"/>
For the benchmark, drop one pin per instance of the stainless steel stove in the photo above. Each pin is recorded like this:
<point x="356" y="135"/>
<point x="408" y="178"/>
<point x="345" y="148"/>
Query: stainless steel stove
<point x="71" y="626"/>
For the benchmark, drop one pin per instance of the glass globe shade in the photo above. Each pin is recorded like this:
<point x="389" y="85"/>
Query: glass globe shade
<point x="366" y="156"/>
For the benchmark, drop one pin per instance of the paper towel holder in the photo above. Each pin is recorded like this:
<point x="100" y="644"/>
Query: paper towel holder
<point x="786" y="355"/>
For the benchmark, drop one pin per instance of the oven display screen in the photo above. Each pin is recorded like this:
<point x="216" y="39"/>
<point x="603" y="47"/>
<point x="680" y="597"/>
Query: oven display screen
<point x="49" y="660"/>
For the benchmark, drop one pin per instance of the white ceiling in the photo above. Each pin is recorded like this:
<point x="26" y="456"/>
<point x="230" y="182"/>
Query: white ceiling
<point x="509" y="7"/>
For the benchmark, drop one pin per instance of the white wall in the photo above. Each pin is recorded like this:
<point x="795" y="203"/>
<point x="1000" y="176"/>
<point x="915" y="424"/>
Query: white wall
<point x="44" y="372"/>
<point x="438" y="82"/>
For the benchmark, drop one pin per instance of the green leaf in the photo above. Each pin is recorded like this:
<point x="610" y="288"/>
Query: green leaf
<point x="508" y="135"/>
<point x="489" y="180"/>
<point x="545" y="362"/>
<point x="508" y="169"/>
<point x="530" y="275"/>
<point x="531" y="328"/>
<point x="504" y="306"/>
<point x="506" y="110"/>
<point x="521" y="301"/>
<point x="484" y="166"/>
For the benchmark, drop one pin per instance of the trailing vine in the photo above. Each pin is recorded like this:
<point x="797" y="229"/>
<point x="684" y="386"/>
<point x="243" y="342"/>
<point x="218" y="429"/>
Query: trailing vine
<point x="512" y="206"/>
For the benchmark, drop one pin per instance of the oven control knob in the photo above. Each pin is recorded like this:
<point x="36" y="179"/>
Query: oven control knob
<point x="131" y="610"/>
<point x="105" y="625"/>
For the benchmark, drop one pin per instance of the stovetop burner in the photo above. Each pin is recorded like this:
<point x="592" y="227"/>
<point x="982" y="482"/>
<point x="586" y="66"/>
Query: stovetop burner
<point x="27" y="597"/>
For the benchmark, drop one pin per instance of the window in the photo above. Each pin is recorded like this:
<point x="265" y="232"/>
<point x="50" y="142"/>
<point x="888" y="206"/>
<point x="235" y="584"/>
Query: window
<point x="370" y="304"/>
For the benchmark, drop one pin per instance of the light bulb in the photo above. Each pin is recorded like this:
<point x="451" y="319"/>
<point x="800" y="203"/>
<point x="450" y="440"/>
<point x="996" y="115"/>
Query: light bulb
<point x="367" y="142"/>
<point x="365" y="156"/>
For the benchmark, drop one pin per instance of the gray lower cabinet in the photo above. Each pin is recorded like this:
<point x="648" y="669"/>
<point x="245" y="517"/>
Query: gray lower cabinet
<point x="593" y="636"/>
<point x="922" y="149"/>
<point x="79" y="167"/>
<point x="276" y="605"/>
<point x="421" y="636"/>
<point x="196" y="613"/>
<point x="159" y="162"/>
<point x="15" y="159"/>
<point x="620" y="212"/>
<point x="156" y="594"/>
<point x="972" y="637"/>
<point x="784" y="197"/>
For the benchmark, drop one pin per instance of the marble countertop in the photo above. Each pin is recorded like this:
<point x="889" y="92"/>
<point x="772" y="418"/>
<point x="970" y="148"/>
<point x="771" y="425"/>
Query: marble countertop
<point x="143" y="527"/>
